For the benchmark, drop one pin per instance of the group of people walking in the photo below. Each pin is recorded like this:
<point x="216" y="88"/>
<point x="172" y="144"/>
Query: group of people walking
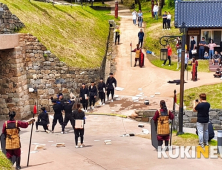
<point x="137" y="17"/>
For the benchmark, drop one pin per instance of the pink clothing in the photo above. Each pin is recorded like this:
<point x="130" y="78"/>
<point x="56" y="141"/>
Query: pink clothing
<point x="211" y="46"/>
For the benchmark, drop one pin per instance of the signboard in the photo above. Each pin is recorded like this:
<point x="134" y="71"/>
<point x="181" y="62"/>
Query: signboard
<point x="193" y="32"/>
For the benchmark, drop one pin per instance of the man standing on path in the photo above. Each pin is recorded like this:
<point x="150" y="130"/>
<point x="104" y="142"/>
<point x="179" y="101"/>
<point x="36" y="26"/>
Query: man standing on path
<point x="141" y="35"/>
<point x="164" y="20"/>
<point x="169" y="53"/>
<point x="155" y="11"/>
<point x="192" y="46"/>
<point x="134" y="13"/>
<point x="140" y="18"/>
<point x="92" y="95"/>
<point x="68" y="105"/>
<point x="102" y="90"/>
<point x="57" y="107"/>
<point x="202" y="108"/>
<point x="117" y="34"/>
<point x="202" y="44"/>
<point x="111" y="85"/>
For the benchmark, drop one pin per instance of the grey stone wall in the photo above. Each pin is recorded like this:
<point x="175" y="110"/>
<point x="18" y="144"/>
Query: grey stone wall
<point x="9" y="23"/>
<point x="189" y="118"/>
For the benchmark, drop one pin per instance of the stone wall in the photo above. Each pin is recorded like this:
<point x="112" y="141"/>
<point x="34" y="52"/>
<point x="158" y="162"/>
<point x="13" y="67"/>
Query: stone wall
<point x="13" y="82"/>
<point x="31" y="65"/>
<point x="9" y="23"/>
<point x="189" y="118"/>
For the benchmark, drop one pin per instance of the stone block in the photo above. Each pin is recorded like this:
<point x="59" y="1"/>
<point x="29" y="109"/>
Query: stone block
<point x="3" y="105"/>
<point x="192" y="119"/>
<point x="215" y="121"/>
<point x="190" y="125"/>
<point x="145" y="119"/>
<point x="217" y="127"/>
<point x="149" y="113"/>
<point x="138" y="119"/>
<point x="213" y="115"/>
<point x="26" y="108"/>
<point x="189" y="113"/>
<point x="5" y="111"/>
<point x="220" y="118"/>
<point x="44" y="102"/>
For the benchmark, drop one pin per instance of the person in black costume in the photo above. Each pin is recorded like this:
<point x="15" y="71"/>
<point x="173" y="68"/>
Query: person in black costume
<point x="92" y="95"/>
<point x="84" y="95"/>
<point x="57" y="107"/>
<point x="101" y="89"/>
<point x="68" y="105"/>
<point x="43" y="119"/>
<point x="110" y="85"/>
<point x="78" y="115"/>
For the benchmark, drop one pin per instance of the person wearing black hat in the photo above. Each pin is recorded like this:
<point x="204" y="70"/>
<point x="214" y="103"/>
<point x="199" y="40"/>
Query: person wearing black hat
<point x="92" y="95"/>
<point x="102" y="89"/>
<point x="84" y="95"/>
<point x="43" y="119"/>
<point x="110" y="85"/>
<point x="57" y="107"/>
<point x="68" y="105"/>
<point x="11" y="131"/>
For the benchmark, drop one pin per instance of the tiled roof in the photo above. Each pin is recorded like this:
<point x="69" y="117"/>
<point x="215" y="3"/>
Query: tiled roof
<point x="199" y="13"/>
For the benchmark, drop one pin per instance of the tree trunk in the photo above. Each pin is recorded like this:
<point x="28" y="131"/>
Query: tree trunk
<point x="160" y="9"/>
<point x="139" y="4"/>
<point x="102" y="1"/>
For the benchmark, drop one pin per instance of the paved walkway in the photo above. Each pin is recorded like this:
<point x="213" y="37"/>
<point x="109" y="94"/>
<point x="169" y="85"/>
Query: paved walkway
<point x="125" y="153"/>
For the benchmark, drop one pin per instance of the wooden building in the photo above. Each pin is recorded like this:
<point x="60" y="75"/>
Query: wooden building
<point x="203" y="18"/>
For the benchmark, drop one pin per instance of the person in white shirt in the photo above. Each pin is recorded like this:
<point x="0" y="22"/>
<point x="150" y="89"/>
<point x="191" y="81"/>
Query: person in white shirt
<point x="134" y="13"/>
<point x="168" y="20"/>
<point x="155" y="11"/>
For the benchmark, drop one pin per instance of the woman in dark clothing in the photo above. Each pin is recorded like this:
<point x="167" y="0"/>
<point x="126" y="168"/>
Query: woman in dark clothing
<point x="43" y="119"/>
<point x="92" y="95"/>
<point x="102" y="90"/>
<point x="84" y="95"/>
<point x="79" y="132"/>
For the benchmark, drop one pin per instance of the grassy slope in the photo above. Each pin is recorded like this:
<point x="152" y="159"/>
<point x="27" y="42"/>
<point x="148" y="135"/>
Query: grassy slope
<point x="153" y="32"/>
<point x="76" y="35"/>
<point x="4" y="162"/>
<point x="213" y="92"/>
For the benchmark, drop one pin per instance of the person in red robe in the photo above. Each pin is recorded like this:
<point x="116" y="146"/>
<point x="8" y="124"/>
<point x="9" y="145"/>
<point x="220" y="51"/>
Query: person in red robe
<point x="165" y="113"/>
<point x="11" y="131"/>
<point x="194" y="69"/>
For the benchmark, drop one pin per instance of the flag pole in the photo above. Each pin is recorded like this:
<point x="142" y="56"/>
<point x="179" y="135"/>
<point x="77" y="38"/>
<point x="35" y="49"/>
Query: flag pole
<point x="171" y="130"/>
<point x="30" y="141"/>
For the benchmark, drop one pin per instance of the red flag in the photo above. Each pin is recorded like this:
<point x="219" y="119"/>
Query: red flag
<point x="175" y="98"/>
<point x="35" y="109"/>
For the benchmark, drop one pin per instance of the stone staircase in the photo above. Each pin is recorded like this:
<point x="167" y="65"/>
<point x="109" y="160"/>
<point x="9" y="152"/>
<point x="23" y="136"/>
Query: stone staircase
<point x="212" y="67"/>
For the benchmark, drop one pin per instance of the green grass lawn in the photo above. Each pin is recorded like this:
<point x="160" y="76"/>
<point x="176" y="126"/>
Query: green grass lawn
<point x="213" y="92"/>
<point x="5" y="164"/>
<point x="76" y="35"/>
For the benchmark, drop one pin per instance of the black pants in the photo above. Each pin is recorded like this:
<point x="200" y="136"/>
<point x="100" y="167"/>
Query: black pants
<point x="68" y="118"/>
<point x="169" y="58"/>
<point x="84" y="103"/>
<point x="140" y="42"/>
<point x="185" y="66"/>
<point x="160" y="143"/>
<point x="79" y="133"/>
<point x="168" y="23"/>
<point x="117" y="37"/>
<point x="92" y="100"/>
<point x="164" y="24"/>
<point x="44" y="124"/>
<point x="110" y="91"/>
<point x="59" y="118"/>
<point x="102" y="96"/>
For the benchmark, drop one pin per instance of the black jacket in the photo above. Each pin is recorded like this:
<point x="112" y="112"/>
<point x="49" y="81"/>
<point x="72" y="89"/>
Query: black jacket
<point x="57" y="107"/>
<point x="109" y="83"/>
<point x="77" y="115"/>
<point x="101" y="85"/>
<point x="92" y="91"/>
<point x="68" y="107"/>
<point x="83" y="92"/>
<point x="43" y="117"/>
